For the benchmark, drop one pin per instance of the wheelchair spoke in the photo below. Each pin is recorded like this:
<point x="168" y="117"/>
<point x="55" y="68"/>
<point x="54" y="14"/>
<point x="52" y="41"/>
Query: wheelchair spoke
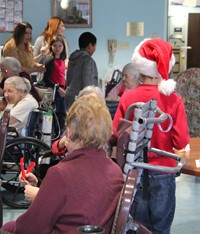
<point x="29" y="148"/>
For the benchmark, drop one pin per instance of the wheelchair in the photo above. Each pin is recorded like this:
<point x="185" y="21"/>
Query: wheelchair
<point x="31" y="144"/>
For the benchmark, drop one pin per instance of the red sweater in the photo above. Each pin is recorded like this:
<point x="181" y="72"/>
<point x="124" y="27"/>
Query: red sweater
<point x="177" y="137"/>
<point x="55" y="150"/>
<point x="84" y="188"/>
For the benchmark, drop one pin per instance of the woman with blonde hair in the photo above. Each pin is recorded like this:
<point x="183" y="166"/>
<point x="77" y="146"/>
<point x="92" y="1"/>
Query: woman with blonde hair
<point x="85" y="186"/>
<point x="19" y="46"/>
<point x="55" y="26"/>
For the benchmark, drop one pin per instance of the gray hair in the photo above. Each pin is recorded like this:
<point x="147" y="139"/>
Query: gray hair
<point x="131" y="68"/>
<point x="90" y="90"/>
<point x="20" y="83"/>
<point x="12" y="63"/>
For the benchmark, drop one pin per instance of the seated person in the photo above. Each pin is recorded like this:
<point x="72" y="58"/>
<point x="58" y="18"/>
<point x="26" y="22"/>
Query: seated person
<point x="130" y="79"/>
<point x="85" y="186"/>
<point x="10" y="66"/>
<point x="59" y="147"/>
<point x="19" y="101"/>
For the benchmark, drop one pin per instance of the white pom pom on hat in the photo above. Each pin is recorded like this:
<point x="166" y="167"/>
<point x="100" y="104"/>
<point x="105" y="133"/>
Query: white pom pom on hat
<point x="154" y="58"/>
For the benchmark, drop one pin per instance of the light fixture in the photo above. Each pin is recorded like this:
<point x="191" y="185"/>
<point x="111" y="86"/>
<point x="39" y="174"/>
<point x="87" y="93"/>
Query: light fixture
<point x="135" y="29"/>
<point x="64" y="4"/>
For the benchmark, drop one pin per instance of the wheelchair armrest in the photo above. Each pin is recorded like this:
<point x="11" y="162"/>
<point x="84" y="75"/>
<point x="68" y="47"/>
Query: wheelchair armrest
<point x="163" y="169"/>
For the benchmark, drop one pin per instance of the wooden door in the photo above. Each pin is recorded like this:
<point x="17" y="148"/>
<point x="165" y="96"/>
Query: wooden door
<point x="193" y="55"/>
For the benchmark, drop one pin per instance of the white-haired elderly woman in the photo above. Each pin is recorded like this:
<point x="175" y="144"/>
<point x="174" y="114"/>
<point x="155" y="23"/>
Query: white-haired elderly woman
<point x="20" y="101"/>
<point x="10" y="66"/>
<point x="130" y="79"/>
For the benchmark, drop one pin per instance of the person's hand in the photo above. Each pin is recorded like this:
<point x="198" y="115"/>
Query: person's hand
<point x="30" y="179"/>
<point x="61" y="92"/>
<point x="30" y="192"/>
<point x="62" y="143"/>
<point x="40" y="68"/>
<point x="66" y="63"/>
<point x="44" y="50"/>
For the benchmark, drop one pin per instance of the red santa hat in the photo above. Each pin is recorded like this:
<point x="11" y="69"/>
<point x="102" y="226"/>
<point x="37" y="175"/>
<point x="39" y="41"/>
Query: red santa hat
<point x="154" y="58"/>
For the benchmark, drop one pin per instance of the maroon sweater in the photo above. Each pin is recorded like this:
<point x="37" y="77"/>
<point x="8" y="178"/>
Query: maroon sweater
<point x="82" y="189"/>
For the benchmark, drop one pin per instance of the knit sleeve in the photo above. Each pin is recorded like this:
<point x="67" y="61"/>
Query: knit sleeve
<point x="52" y="190"/>
<point x="55" y="149"/>
<point x="114" y="93"/>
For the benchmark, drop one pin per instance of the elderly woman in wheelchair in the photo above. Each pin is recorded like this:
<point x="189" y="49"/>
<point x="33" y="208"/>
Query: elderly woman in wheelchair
<point x="19" y="101"/>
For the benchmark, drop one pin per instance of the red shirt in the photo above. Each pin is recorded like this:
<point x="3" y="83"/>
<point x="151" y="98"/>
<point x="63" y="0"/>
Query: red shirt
<point x="58" y="73"/>
<point x="177" y="137"/>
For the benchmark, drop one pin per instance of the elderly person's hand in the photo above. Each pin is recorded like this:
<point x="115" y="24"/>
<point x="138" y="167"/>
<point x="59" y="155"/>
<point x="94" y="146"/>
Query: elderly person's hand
<point x="63" y="143"/>
<point x="30" y="179"/>
<point x="30" y="192"/>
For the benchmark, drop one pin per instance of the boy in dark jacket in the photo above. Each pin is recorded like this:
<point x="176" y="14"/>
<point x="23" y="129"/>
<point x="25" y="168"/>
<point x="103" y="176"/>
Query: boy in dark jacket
<point x="82" y="69"/>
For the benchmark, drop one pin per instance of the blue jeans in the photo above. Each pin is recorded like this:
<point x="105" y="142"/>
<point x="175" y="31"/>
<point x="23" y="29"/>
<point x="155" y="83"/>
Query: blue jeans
<point x="157" y="211"/>
<point x="60" y="110"/>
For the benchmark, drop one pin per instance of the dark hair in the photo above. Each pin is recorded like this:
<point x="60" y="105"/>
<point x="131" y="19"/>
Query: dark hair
<point x="85" y="39"/>
<point x="60" y="38"/>
<point x="19" y="31"/>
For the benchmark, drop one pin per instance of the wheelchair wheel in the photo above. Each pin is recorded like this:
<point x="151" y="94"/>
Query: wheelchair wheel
<point x="29" y="148"/>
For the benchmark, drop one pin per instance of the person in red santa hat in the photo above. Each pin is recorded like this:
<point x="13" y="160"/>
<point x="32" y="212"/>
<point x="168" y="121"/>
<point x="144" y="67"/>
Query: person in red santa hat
<point x="153" y="58"/>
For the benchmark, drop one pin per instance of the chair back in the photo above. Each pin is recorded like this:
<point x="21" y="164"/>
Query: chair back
<point x="3" y="137"/>
<point x="124" y="203"/>
<point x="33" y="121"/>
<point x="123" y="222"/>
<point x="188" y="87"/>
<point x="116" y="78"/>
<point x="135" y="137"/>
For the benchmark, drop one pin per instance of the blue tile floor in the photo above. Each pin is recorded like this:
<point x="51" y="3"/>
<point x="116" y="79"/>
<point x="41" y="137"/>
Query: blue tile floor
<point x="187" y="215"/>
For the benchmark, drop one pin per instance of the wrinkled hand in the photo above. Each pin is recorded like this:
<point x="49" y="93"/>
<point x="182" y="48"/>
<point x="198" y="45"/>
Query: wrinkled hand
<point x="30" y="192"/>
<point x="30" y="179"/>
<point x="63" y="143"/>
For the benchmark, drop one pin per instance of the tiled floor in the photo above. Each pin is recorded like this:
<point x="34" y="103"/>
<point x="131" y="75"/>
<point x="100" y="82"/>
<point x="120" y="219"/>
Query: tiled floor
<point x="187" y="216"/>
